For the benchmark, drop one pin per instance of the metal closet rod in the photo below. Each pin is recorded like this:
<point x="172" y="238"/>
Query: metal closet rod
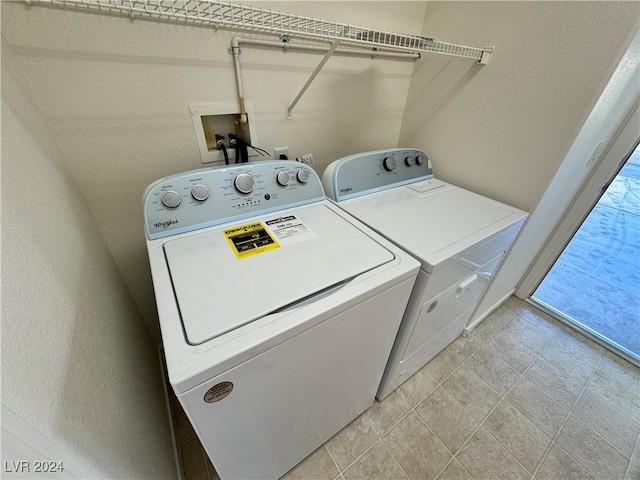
<point x="286" y="46"/>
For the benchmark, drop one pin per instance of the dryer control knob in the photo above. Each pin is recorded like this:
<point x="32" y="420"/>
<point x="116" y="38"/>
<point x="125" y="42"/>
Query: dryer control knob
<point x="171" y="199"/>
<point x="244" y="183"/>
<point x="283" y="179"/>
<point x="303" y="176"/>
<point x="200" y="192"/>
<point x="420" y="159"/>
<point x="409" y="161"/>
<point x="389" y="163"/>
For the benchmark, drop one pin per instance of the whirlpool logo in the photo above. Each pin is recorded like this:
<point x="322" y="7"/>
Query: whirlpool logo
<point x="166" y="224"/>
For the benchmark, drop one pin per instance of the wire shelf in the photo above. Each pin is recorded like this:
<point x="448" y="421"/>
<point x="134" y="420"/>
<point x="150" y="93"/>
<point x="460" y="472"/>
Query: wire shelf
<point x="244" y="17"/>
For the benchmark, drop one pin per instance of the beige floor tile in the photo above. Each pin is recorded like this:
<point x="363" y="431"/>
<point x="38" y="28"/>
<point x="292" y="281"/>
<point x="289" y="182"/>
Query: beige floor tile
<point x="194" y="465"/>
<point x="384" y="415"/>
<point x="620" y="370"/>
<point x="442" y="365"/>
<point x="581" y="345"/>
<point x="555" y="383"/>
<point x="471" y="392"/>
<point x="511" y="351"/>
<point x="591" y="450"/>
<point x="540" y="320"/>
<point x="547" y="414"/>
<point x="464" y="347"/>
<point x="558" y="465"/>
<point x="527" y="334"/>
<point x="570" y="363"/>
<point x="376" y="464"/>
<point x="317" y="466"/>
<point x="487" y="328"/>
<point x="519" y="436"/>
<point x="606" y="421"/>
<point x="418" y="386"/>
<point x="484" y="458"/>
<point x="416" y="448"/>
<point x="503" y="315"/>
<point x="493" y="370"/>
<point x="351" y="442"/>
<point x="617" y="394"/>
<point x="184" y="429"/>
<point x="451" y="423"/>
<point x="636" y="454"/>
<point x="633" y="473"/>
<point x="454" y="471"/>
<point x="514" y="305"/>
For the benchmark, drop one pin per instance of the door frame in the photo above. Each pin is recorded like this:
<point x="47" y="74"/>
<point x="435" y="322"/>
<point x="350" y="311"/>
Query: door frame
<point x="613" y="159"/>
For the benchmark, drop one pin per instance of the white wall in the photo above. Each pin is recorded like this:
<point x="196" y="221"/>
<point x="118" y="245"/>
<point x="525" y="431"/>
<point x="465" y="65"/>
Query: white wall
<point x="116" y="92"/>
<point x="80" y="372"/>
<point x="504" y="129"/>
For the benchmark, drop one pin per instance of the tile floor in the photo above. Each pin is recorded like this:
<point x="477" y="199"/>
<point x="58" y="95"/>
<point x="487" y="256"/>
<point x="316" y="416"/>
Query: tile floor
<point x="522" y="396"/>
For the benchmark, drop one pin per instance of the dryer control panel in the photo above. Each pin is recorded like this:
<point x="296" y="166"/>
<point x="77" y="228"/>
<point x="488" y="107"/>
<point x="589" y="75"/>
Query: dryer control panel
<point x="210" y="196"/>
<point x="369" y="172"/>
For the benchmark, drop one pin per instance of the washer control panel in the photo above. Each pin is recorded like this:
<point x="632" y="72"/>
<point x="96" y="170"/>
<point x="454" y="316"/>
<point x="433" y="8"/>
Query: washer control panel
<point x="210" y="196"/>
<point x="369" y="172"/>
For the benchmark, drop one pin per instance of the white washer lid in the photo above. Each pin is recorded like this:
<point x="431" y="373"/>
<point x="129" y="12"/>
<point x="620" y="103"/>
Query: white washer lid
<point x="432" y="220"/>
<point x="218" y="292"/>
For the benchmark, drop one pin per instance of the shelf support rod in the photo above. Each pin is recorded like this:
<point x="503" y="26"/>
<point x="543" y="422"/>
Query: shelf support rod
<point x="326" y="57"/>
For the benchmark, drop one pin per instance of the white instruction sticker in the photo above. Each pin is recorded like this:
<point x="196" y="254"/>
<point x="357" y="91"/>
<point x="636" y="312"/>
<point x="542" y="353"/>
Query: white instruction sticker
<point x="289" y="229"/>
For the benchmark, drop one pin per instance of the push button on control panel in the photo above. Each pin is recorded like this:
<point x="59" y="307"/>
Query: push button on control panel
<point x="171" y="199"/>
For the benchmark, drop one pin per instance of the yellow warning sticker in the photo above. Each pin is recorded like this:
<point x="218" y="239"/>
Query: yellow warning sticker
<point x="250" y="239"/>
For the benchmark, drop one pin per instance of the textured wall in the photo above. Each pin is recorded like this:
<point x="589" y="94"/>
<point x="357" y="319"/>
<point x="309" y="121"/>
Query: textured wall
<point x="116" y="92"/>
<point x="78" y="363"/>
<point x="504" y="129"/>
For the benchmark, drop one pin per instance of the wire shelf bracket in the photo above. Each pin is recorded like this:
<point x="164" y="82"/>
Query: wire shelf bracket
<point x="219" y="14"/>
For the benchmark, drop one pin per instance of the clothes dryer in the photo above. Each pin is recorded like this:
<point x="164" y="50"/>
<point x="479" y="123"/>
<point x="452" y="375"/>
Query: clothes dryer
<point x="459" y="238"/>
<point x="277" y="310"/>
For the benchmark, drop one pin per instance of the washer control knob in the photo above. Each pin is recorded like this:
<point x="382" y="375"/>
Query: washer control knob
<point x="171" y="199"/>
<point x="283" y="178"/>
<point x="200" y="192"/>
<point x="420" y="159"/>
<point x="303" y="176"/>
<point x="409" y="161"/>
<point x="389" y="163"/>
<point x="244" y="183"/>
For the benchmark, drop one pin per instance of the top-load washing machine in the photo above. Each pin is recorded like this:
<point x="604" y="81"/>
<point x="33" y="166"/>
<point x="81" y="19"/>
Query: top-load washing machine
<point x="277" y="310"/>
<point x="458" y="237"/>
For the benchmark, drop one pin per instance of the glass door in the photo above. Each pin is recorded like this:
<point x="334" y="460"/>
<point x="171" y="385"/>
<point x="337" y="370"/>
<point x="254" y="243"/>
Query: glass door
<point x="595" y="283"/>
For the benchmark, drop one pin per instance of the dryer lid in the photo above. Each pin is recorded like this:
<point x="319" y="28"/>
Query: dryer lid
<point x="223" y="278"/>
<point x="432" y="220"/>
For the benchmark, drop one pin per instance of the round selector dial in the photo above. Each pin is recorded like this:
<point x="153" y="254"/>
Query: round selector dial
<point x="303" y="176"/>
<point x="283" y="179"/>
<point x="200" y="192"/>
<point x="420" y="159"/>
<point x="171" y="199"/>
<point x="389" y="163"/>
<point x="409" y="161"/>
<point x="244" y="183"/>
